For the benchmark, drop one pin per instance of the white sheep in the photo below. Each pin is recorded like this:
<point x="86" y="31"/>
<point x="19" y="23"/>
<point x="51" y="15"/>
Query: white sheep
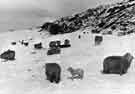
<point x="76" y="73"/>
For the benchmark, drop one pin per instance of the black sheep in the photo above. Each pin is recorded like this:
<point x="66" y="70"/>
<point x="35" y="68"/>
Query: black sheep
<point x="98" y="40"/>
<point x="53" y="51"/>
<point x="8" y="55"/>
<point x="38" y="46"/>
<point x="117" y="64"/>
<point x="53" y="44"/>
<point x="53" y="72"/>
<point x="79" y="36"/>
<point x="66" y="44"/>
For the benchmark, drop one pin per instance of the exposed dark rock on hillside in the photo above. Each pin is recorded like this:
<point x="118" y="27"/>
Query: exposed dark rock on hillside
<point x="119" y="16"/>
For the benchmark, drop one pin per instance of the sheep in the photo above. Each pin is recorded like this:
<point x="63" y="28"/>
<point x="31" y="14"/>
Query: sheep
<point x="117" y="64"/>
<point x="76" y="73"/>
<point x="53" y="72"/>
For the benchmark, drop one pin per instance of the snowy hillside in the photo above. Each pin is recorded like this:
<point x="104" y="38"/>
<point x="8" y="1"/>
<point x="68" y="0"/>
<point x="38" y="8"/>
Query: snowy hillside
<point x="26" y="75"/>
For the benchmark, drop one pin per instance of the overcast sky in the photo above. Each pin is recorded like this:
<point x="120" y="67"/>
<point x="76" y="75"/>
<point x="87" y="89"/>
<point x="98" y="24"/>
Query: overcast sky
<point x="57" y="7"/>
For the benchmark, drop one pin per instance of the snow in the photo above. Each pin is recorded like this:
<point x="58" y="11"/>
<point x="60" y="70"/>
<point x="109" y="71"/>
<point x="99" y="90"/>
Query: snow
<point x="26" y="75"/>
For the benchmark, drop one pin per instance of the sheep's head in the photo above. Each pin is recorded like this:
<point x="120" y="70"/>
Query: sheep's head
<point x="70" y="69"/>
<point x="129" y="57"/>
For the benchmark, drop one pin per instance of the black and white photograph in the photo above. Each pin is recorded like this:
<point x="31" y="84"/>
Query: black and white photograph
<point x="67" y="46"/>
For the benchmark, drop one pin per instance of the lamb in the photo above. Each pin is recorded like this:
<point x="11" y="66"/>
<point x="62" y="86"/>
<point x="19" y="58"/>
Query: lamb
<point x="76" y="73"/>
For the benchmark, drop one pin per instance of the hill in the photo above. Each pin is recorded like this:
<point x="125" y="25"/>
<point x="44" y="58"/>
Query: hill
<point x="104" y="19"/>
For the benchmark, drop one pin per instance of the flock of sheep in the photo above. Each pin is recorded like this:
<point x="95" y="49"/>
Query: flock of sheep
<point x="111" y="64"/>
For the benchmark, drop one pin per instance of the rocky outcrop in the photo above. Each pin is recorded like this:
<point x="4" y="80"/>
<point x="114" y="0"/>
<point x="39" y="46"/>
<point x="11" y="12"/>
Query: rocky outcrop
<point x="116" y="17"/>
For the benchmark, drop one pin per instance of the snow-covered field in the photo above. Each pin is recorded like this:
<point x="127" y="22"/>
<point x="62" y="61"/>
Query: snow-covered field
<point x="26" y="75"/>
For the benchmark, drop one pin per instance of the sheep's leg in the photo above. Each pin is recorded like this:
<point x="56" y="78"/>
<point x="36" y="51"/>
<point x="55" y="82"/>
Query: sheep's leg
<point x="80" y="76"/>
<point x="73" y="77"/>
<point x="4" y="60"/>
<point x="76" y="77"/>
<point x="70" y="78"/>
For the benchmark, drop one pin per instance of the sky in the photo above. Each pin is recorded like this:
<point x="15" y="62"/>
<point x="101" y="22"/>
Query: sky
<point x="55" y="7"/>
